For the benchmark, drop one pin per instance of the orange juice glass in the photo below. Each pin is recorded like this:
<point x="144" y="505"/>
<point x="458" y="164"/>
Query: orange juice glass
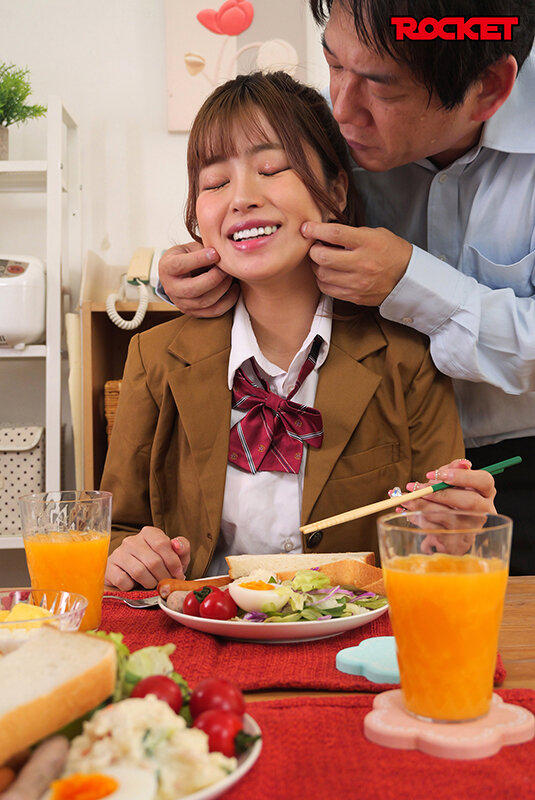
<point x="445" y="576"/>
<point x="66" y="538"/>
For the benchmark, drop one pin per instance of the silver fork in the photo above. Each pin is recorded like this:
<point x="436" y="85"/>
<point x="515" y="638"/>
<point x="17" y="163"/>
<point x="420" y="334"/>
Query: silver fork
<point x="133" y="602"/>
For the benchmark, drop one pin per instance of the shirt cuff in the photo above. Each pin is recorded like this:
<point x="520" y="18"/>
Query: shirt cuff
<point x="160" y="292"/>
<point x="427" y="295"/>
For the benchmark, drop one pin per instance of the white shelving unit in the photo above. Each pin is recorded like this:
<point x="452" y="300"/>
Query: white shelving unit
<point x="59" y="178"/>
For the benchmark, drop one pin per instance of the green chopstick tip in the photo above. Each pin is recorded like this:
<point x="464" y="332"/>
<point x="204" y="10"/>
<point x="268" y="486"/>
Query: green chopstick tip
<point x="494" y="469"/>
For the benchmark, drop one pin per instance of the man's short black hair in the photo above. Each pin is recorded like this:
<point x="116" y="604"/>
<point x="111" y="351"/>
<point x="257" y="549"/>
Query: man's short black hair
<point x="446" y="67"/>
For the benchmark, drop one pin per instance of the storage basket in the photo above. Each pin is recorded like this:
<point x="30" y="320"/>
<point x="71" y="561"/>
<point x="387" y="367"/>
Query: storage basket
<point x="112" y="391"/>
<point x="22" y="470"/>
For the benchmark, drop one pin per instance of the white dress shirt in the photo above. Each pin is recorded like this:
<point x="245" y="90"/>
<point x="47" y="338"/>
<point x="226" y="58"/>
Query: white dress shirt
<point x="470" y="283"/>
<point x="262" y="512"/>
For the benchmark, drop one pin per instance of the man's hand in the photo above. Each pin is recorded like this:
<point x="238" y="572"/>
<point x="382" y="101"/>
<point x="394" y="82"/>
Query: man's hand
<point x="147" y="558"/>
<point x="361" y="265"/>
<point x="193" y="282"/>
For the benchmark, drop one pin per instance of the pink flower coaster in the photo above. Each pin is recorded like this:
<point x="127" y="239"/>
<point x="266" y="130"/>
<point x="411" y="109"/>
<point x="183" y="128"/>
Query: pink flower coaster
<point x="390" y="725"/>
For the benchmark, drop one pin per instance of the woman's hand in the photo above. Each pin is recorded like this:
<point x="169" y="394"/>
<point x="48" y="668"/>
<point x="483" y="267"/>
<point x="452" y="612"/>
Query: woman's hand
<point x="145" y="559"/>
<point x="193" y="283"/>
<point x="472" y="490"/>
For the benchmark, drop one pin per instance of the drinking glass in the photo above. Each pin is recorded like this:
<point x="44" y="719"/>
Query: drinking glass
<point x="66" y="537"/>
<point x="445" y="576"/>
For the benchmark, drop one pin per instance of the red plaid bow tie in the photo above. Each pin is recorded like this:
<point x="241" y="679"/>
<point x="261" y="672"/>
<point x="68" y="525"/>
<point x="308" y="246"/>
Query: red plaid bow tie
<point x="271" y="434"/>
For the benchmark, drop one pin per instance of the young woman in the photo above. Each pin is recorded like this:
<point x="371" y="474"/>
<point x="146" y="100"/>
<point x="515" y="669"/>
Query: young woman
<point x="232" y="432"/>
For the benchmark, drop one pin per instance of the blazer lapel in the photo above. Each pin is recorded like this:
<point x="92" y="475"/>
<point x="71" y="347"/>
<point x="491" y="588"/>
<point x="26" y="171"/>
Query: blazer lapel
<point x="345" y="388"/>
<point x="198" y="382"/>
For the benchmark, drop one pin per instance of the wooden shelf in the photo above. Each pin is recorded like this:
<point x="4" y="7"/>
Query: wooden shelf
<point x="104" y="348"/>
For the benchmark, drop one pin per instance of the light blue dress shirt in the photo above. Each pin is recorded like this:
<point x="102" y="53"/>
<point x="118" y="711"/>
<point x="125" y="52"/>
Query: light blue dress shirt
<point x="470" y="283"/>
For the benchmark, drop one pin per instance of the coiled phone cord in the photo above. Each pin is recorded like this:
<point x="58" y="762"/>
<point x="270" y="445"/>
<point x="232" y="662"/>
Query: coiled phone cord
<point x="139" y="316"/>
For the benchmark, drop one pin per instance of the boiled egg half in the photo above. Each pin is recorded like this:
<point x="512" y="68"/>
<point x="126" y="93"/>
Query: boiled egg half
<point x="256" y="592"/>
<point x="125" y="783"/>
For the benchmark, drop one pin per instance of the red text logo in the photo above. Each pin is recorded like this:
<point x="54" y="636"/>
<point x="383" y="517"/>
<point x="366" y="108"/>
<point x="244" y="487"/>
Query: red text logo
<point x="497" y="28"/>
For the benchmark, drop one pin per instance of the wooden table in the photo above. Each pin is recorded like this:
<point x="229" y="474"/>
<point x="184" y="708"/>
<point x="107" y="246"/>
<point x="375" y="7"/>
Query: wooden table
<point x="517" y="635"/>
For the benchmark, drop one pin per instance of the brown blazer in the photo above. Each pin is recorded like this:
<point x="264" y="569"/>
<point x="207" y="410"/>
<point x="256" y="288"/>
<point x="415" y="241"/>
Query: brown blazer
<point x="388" y="417"/>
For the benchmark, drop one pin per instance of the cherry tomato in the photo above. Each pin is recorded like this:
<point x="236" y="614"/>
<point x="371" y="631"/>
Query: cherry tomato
<point x="221" y="727"/>
<point x="216" y="693"/>
<point x="191" y="605"/>
<point x="218" y="605"/>
<point x="163" y="687"/>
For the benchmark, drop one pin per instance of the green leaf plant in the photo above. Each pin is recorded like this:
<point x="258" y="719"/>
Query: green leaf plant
<point x="14" y="90"/>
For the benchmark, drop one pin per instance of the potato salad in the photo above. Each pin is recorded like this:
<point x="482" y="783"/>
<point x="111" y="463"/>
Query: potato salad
<point x="146" y="733"/>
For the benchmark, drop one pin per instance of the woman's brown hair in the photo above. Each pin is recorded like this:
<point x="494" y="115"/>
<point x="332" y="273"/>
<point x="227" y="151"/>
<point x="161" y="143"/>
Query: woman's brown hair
<point x="296" y="112"/>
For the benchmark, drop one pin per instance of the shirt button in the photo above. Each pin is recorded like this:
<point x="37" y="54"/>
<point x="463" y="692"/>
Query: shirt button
<point x="288" y="545"/>
<point x="442" y="178"/>
<point x="407" y="320"/>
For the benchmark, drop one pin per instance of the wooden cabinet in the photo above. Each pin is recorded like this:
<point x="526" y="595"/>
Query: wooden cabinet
<point x="104" y="348"/>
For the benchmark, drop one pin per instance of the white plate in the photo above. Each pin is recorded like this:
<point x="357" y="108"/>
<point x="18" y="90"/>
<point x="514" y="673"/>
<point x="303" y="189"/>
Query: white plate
<point x="274" y="632"/>
<point x="245" y="762"/>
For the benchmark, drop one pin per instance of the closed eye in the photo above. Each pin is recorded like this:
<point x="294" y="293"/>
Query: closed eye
<point x="213" y="186"/>
<point x="269" y="172"/>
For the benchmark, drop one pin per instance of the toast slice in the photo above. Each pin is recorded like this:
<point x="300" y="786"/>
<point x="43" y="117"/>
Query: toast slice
<point x="238" y="566"/>
<point x="53" y="678"/>
<point x="350" y="574"/>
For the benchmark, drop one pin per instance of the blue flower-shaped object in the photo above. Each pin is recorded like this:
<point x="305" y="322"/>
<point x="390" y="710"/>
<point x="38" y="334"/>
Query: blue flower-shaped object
<point x="374" y="658"/>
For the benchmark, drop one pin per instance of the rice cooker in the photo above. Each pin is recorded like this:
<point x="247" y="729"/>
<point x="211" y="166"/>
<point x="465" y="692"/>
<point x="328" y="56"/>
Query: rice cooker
<point x="22" y="300"/>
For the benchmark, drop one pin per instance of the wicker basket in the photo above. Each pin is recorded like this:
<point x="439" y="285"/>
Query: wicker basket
<point x="112" y="391"/>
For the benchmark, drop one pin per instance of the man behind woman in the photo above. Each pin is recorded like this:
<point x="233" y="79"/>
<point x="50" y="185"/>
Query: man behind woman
<point x="232" y="432"/>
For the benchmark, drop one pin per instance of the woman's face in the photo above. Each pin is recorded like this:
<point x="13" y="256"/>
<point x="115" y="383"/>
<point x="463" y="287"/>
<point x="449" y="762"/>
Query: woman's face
<point x="250" y="208"/>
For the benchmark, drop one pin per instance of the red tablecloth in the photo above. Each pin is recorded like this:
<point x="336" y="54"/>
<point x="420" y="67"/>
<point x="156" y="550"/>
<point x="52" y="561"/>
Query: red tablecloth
<point x="315" y="748"/>
<point x="253" y="666"/>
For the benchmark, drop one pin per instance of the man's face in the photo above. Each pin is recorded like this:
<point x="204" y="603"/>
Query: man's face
<point x="386" y="117"/>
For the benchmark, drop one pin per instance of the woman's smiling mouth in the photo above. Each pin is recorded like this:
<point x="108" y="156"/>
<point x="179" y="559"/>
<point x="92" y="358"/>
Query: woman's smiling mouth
<point x="254" y="232"/>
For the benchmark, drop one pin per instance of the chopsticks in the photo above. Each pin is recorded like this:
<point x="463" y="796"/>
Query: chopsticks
<point x="383" y="505"/>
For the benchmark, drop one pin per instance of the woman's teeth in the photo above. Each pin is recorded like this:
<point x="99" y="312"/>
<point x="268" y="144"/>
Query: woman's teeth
<point x="251" y="233"/>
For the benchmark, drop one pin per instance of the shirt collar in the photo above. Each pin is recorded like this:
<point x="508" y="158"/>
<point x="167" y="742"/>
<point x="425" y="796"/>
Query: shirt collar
<point x="244" y="346"/>
<point x="512" y="128"/>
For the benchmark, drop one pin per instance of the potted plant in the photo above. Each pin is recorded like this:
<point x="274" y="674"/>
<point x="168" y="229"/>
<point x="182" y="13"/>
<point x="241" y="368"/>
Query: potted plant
<point x="14" y="91"/>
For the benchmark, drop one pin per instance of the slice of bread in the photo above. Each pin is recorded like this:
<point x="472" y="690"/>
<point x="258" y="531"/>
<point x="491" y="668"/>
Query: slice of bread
<point x="349" y="573"/>
<point x="50" y="680"/>
<point x="238" y="566"/>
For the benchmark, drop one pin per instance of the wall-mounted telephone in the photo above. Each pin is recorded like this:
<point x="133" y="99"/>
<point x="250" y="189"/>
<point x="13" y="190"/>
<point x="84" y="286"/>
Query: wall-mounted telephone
<point x="142" y="270"/>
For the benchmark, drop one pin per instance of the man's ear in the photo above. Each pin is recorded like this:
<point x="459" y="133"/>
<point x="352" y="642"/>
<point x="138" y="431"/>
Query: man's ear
<point x="494" y="87"/>
<point x="338" y="189"/>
